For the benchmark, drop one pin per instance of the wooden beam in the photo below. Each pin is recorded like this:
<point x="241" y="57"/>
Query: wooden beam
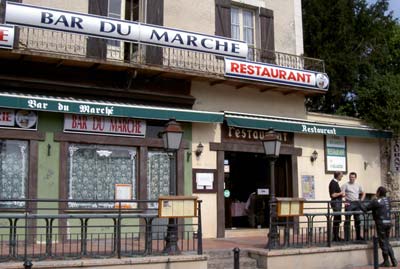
<point x="215" y="82"/>
<point x="290" y="92"/>
<point x="241" y="86"/>
<point x="59" y="63"/>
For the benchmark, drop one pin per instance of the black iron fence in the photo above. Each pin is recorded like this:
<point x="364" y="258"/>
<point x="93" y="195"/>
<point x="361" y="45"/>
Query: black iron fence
<point x="315" y="226"/>
<point x="61" y="44"/>
<point x="52" y="229"/>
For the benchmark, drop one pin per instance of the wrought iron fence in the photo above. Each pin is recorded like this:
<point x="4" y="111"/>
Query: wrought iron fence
<point x="314" y="227"/>
<point x="48" y="229"/>
<point x="67" y="44"/>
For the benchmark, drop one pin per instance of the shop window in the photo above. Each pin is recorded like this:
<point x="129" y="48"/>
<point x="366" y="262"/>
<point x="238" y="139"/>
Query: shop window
<point x="157" y="175"/>
<point x="242" y="27"/>
<point x="13" y="171"/>
<point x="94" y="170"/>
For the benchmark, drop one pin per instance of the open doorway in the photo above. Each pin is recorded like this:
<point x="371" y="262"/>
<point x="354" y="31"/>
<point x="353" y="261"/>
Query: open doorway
<point x="248" y="185"/>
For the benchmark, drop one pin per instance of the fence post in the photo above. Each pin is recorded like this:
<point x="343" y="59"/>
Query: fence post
<point x="329" y="226"/>
<point x="236" y="257"/>
<point x="199" y="231"/>
<point x="27" y="264"/>
<point x="376" y="258"/>
<point x="119" y="232"/>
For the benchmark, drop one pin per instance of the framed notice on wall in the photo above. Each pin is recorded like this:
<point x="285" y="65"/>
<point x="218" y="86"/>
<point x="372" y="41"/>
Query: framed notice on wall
<point x="335" y="154"/>
<point x="123" y="192"/>
<point x="308" y="187"/>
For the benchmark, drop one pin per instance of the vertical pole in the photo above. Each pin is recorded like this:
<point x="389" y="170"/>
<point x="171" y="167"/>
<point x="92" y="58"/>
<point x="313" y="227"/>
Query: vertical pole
<point x="236" y="257"/>
<point x="171" y="246"/>
<point x="273" y="233"/>
<point x="199" y="232"/>
<point x="376" y="258"/>
<point x="328" y="219"/>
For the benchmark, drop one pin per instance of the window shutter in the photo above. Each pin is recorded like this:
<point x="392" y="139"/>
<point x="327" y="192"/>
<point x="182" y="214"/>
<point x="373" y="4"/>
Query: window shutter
<point x="155" y="15"/>
<point x="223" y="18"/>
<point x="267" y="35"/>
<point x="97" y="47"/>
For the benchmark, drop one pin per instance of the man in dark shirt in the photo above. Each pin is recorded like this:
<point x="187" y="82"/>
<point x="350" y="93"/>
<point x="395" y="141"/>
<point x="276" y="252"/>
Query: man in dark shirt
<point x="336" y="195"/>
<point x="381" y="212"/>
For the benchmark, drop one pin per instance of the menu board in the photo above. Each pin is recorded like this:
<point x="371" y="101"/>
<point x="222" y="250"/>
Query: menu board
<point x="177" y="206"/>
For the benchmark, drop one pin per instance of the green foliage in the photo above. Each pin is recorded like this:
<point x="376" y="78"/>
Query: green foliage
<point x="360" y="44"/>
<point x="379" y="100"/>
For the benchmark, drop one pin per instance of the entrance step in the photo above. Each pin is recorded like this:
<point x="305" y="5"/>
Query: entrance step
<point x="231" y="233"/>
<point x="223" y="259"/>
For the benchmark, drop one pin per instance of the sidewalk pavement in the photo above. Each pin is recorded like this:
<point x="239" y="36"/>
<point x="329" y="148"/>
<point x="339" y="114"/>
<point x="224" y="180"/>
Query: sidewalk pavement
<point x="230" y="243"/>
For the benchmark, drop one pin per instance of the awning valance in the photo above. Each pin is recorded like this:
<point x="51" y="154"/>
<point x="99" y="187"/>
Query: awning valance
<point x="101" y="108"/>
<point x="253" y="121"/>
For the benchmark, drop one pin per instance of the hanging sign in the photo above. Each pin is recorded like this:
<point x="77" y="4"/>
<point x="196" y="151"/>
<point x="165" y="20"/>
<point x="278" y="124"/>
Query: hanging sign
<point x="104" y="125"/>
<point x="274" y="74"/>
<point x="335" y="153"/>
<point x="21" y="119"/>
<point x="395" y="159"/>
<point x="104" y="27"/>
<point x="6" y="36"/>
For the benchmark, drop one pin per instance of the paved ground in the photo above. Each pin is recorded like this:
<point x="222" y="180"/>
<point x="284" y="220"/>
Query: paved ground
<point x="230" y="243"/>
<point x="250" y="242"/>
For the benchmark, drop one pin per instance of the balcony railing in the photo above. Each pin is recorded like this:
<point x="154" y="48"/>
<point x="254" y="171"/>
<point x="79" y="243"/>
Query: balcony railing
<point x="66" y="44"/>
<point x="50" y="229"/>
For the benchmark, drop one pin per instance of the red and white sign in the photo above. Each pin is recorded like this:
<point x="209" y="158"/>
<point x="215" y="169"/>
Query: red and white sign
<point x="275" y="74"/>
<point x="104" y="125"/>
<point x="7" y="117"/>
<point x="6" y="36"/>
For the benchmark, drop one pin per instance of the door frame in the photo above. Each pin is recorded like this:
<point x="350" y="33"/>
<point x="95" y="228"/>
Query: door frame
<point x="250" y="147"/>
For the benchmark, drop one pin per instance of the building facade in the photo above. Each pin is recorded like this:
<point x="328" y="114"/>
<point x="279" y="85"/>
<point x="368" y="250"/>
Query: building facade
<point x="81" y="111"/>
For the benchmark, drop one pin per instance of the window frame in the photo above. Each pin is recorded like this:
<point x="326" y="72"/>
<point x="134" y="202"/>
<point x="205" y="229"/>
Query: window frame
<point x="33" y="139"/>
<point x="241" y="25"/>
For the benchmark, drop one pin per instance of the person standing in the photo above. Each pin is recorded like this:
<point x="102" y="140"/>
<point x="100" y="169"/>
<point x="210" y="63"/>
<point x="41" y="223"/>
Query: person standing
<point x="352" y="192"/>
<point x="336" y="195"/>
<point x="381" y="213"/>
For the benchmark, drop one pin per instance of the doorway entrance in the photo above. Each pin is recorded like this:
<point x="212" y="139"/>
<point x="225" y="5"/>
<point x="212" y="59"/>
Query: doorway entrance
<point x="248" y="184"/>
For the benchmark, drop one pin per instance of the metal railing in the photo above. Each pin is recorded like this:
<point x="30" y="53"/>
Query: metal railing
<point x="314" y="228"/>
<point x="48" y="229"/>
<point x="55" y="43"/>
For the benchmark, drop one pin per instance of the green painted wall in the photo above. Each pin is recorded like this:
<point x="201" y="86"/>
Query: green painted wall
<point x="188" y="161"/>
<point x="49" y="156"/>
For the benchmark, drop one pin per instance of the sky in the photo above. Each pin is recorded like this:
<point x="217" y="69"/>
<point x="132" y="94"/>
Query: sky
<point x="394" y="5"/>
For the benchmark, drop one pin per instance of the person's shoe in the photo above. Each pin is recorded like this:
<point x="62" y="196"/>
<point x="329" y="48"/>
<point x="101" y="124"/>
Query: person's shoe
<point x="385" y="264"/>
<point x="338" y="239"/>
<point x="360" y="238"/>
<point x="394" y="263"/>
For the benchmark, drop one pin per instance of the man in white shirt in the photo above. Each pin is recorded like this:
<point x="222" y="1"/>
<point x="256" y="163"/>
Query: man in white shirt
<point x="352" y="192"/>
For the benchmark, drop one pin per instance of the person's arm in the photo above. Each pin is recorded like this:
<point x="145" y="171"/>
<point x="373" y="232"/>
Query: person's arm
<point x="362" y="192"/>
<point x="332" y="192"/>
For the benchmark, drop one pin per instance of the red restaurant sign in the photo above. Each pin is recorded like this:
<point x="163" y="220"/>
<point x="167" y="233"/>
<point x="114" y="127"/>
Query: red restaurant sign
<point x="275" y="74"/>
<point x="104" y="125"/>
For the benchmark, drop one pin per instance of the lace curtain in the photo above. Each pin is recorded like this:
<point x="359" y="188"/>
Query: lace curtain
<point x="157" y="175"/>
<point x="13" y="171"/>
<point x="94" y="170"/>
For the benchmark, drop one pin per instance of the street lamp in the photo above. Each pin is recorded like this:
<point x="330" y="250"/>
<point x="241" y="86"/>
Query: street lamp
<point x="172" y="138"/>
<point x="272" y="146"/>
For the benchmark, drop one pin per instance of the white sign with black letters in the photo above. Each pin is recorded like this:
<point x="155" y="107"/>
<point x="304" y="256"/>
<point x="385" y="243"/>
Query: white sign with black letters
<point x="104" y="27"/>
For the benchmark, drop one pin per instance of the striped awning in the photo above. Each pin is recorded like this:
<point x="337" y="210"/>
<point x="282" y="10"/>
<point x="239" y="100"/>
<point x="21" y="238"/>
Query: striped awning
<point x="102" y="108"/>
<point x="253" y="121"/>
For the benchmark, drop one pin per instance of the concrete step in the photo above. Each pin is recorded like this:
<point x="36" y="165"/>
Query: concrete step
<point x="245" y="263"/>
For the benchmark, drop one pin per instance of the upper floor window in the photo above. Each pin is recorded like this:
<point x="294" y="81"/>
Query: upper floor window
<point x="114" y="11"/>
<point x="13" y="171"/>
<point x="242" y="27"/>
